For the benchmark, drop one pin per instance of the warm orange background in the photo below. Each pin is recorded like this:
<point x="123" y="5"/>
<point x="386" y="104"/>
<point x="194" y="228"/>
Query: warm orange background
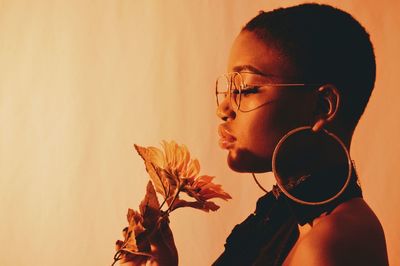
<point x="81" y="81"/>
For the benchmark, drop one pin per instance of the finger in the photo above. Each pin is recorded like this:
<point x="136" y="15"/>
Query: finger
<point x="165" y="229"/>
<point x="136" y="259"/>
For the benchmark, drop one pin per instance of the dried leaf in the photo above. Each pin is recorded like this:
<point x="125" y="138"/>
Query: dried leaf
<point x="135" y="228"/>
<point x="151" y="157"/>
<point x="141" y="224"/>
<point x="150" y="207"/>
<point x="201" y="205"/>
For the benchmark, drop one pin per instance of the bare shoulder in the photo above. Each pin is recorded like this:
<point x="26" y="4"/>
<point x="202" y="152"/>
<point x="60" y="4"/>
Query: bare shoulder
<point x="350" y="235"/>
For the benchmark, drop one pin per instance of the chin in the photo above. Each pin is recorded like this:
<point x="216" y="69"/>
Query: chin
<point x="243" y="161"/>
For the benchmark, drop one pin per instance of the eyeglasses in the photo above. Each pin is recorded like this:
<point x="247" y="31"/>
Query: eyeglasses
<point x="242" y="96"/>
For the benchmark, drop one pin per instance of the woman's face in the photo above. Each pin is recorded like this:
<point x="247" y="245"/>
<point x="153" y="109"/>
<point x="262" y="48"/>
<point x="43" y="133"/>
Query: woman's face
<point x="250" y="137"/>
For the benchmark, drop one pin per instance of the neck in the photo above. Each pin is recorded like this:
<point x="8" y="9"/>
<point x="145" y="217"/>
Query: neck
<point x="312" y="213"/>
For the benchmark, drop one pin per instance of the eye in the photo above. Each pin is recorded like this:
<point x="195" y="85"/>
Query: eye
<point x="250" y="90"/>
<point x="236" y="91"/>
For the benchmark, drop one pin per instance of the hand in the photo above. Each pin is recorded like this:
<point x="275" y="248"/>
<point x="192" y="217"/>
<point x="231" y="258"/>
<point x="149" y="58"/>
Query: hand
<point x="163" y="249"/>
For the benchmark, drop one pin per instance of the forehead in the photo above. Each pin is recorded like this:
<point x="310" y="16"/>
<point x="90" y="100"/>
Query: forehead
<point x="249" y="50"/>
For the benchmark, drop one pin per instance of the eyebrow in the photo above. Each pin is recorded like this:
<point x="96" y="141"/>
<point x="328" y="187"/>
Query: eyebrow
<point x="250" y="68"/>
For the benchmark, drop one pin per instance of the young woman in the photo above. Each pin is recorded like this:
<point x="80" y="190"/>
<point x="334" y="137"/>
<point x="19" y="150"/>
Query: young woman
<point x="298" y="81"/>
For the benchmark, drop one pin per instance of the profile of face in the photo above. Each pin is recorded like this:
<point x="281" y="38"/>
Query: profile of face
<point x="251" y="136"/>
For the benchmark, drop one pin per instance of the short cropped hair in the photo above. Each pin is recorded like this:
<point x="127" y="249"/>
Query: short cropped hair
<point x="326" y="45"/>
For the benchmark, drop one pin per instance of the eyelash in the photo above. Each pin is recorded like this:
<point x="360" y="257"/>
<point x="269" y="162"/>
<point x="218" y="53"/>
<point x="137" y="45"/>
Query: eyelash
<point x="248" y="90"/>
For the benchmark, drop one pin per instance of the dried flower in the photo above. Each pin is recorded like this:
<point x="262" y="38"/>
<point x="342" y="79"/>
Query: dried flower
<point x="171" y="171"/>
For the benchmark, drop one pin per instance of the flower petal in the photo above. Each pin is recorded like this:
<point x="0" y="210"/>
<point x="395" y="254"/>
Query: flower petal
<point x="201" y="205"/>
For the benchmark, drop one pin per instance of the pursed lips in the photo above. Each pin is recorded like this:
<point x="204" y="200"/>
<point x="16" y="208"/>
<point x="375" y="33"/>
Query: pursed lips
<point x="226" y="138"/>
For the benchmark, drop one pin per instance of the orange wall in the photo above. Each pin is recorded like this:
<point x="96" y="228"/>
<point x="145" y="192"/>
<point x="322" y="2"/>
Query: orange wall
<point x="81" y="81"/>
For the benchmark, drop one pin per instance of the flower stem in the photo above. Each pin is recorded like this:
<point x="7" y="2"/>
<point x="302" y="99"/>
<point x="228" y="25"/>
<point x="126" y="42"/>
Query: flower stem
<point x="166" y="197"/>
<point x="170" y="208"/>
<point x="117" y="257"/>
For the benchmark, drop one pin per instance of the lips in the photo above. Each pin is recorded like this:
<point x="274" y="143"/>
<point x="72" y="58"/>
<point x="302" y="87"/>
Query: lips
<point x="226" y="140"/>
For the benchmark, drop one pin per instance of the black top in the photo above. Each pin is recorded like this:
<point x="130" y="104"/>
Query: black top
<point x="267" y="235"/>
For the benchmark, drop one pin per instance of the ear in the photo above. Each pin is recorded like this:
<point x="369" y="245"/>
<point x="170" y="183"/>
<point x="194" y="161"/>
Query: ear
<point x="328" y="100"/>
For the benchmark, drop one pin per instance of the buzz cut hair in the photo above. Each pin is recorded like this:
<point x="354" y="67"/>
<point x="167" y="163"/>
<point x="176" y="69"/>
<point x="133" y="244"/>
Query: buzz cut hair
<point x="326" y="45"/>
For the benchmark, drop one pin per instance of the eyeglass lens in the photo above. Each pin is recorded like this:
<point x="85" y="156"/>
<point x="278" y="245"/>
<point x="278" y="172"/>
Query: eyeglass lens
<point x="229" y="85"/>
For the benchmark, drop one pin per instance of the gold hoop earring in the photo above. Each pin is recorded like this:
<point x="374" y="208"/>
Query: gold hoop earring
<point x="302" y="186"/>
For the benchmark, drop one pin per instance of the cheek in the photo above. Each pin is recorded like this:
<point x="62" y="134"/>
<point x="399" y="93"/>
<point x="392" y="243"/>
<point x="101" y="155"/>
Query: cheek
<point x="258" y="132"/>
<point x="261" y="131"/>
<point x="266" y="126"/>
<point x="257" y="137"/>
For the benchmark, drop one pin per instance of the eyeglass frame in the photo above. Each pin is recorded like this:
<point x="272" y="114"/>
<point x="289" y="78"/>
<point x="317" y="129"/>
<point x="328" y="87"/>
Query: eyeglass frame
<point x="244" y="86"/>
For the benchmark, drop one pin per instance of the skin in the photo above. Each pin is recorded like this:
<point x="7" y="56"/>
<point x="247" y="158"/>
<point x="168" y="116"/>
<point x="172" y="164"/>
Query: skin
<point x="336" y="239"/>
<point x="350" y="235"/>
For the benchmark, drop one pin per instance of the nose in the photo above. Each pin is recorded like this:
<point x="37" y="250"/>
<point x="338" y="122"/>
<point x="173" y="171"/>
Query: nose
<point x="225" y="111"/>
